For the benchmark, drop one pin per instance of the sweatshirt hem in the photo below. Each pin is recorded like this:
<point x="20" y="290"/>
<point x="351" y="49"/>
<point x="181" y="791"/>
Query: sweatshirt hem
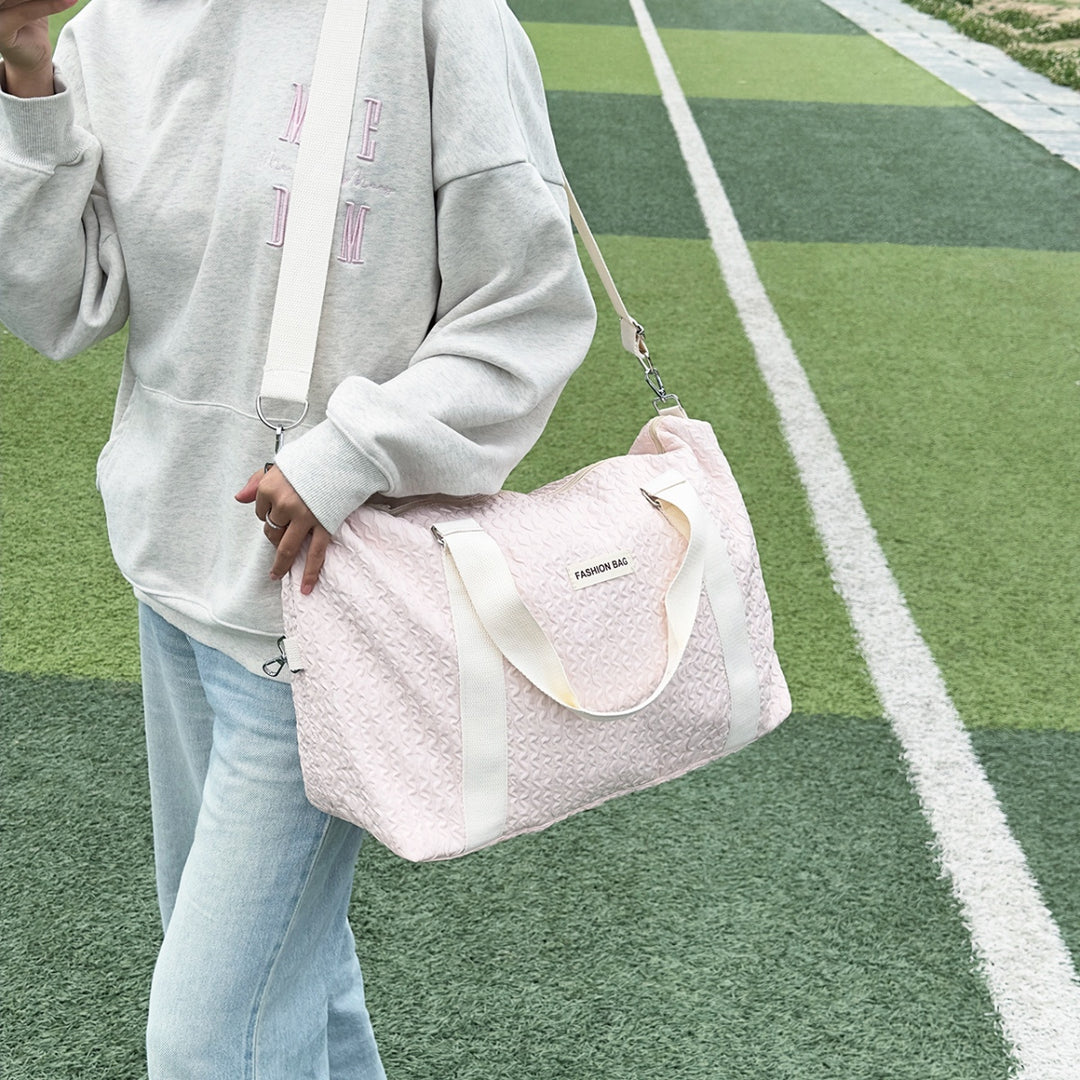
<point x="249" y="648"/>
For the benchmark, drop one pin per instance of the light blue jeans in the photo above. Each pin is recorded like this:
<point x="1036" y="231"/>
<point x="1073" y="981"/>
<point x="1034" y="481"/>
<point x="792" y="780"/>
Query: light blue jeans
<point x="257" y="978"/>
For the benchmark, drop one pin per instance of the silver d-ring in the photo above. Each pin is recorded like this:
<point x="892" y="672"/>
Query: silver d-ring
<point x="278" y="425"/>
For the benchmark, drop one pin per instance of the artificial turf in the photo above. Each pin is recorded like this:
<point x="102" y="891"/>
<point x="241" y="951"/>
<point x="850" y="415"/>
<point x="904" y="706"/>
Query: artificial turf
<point x="942" y="176"/>
<point x="1035" y="775"/>
<point x="622" y="160"/>
<point x="65" y="610"/>
<point x="827" y="68"/>
<point x="774" y="914"/>
<point x="782" y="16"/>
<point x="811" y="937"/>
<point x="755" y="66"/>
<point x="950" y="376"/>
<point x="778" y="15"/>
<point x="602" y="59"/>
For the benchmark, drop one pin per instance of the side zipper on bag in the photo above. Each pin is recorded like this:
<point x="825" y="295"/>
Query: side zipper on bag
<point x="394" y="509"/>
<point x="574" y="478"/>
<point x="557" y="488"/>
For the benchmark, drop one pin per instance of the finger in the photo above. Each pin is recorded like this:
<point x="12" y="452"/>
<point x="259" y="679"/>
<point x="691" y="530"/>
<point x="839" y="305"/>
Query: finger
<point x="276" y="517"/>
<point x="29" y="10"/>
<point x="247" y="493"/>
<point x="288" y="547"/>
<point x="49" y="6"/>
<point x="316" y="556"/>
<point x="273" y="490"/>
<point x="264" y="500"/>
<point x="272" y="534"/>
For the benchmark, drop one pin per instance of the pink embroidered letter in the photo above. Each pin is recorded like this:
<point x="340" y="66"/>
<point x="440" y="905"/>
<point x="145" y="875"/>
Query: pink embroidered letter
<point x="352" y="235"/>
<point x="281" y="214"/>
<point x="296" y="118"/>
<point x="371" y="125"/>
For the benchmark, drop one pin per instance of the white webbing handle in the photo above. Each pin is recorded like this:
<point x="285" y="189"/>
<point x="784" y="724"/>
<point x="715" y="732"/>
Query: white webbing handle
<point x="489" y="584"/>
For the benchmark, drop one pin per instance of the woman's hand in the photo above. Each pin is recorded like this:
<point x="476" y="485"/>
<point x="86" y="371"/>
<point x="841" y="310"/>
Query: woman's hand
<point x="287" y="522"/>
<point x="25" y="46"/>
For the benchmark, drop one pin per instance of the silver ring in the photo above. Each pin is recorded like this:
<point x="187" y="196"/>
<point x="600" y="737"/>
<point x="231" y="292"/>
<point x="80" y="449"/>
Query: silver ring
<point x="273" y="524"/>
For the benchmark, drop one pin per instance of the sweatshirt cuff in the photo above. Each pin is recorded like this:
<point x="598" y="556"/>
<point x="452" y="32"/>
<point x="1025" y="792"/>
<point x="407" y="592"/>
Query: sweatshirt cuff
<point x="330" y="474"/>
<point x="39" y="133"/>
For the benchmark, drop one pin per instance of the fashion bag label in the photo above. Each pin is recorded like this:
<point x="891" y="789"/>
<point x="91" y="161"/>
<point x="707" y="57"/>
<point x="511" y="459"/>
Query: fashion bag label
<point x="593" y="571"/>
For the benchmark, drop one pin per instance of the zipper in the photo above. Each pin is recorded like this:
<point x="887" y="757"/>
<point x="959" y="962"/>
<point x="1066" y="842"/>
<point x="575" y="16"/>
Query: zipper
<point x="557" y="489"/>
<point x="420" y="500"/>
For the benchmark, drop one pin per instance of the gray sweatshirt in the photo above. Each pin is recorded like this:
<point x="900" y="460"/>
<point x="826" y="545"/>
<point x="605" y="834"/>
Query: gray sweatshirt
<point x="153" y="188"/>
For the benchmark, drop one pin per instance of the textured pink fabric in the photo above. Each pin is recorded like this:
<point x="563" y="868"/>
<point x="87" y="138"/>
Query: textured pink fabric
<point x="377" y="702"/>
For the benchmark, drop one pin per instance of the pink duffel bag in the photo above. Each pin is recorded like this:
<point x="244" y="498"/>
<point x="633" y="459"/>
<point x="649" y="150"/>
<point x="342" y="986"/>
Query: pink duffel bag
<point x="471" y="669"/>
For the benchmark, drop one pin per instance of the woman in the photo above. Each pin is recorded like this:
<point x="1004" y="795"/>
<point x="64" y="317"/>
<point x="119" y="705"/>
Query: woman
<point x="145" y="179"/>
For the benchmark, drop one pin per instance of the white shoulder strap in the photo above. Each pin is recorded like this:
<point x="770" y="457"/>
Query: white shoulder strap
<point x="633" y="336"/>
<point x="313" y="205"/>
<point x="309" y="238"/>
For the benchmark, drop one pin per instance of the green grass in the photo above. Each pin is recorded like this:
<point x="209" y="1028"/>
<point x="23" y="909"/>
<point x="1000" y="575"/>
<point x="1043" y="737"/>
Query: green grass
<point x="1034" y="774"/>
<point x="949" y="377"/>
<point x="602" y="59"/>
<point x="56" y="22"/>
<point x="811" y="939"/>
<point x="753" y="15"/>
<point x="800" y="67"/>
<point x="65" y="608"/>
<point x="586" y="12"/>
<point x="813" y="172"/>
<point x="622" y="189"/>
<point x="79" y="919"/>
<point x="811" y="936"/>
<point x="762" y="15"/>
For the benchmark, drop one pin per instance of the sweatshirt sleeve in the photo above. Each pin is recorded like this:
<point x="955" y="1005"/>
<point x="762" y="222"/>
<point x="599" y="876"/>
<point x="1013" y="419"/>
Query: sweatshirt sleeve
<point x="515" y="316"/>
<point x="62" y="282"/>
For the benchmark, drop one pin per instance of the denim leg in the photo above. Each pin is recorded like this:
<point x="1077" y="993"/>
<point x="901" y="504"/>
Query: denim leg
<point x="179" y="735"/>
<point x="257" y="978"/>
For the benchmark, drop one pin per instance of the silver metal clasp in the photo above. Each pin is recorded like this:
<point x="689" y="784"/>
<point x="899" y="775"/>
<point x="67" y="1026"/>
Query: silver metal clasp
<point x="661" y="398"/>
<point x="278" y="427"/>
<point x="274" y="667"/>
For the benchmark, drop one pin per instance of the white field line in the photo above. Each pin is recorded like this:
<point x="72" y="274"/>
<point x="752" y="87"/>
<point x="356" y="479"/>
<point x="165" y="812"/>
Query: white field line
<point x="1018" y="945"/>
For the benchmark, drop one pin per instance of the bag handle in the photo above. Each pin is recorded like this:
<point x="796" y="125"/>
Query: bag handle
<point x="477" y="565"/>
<point x="313" y="205"/>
